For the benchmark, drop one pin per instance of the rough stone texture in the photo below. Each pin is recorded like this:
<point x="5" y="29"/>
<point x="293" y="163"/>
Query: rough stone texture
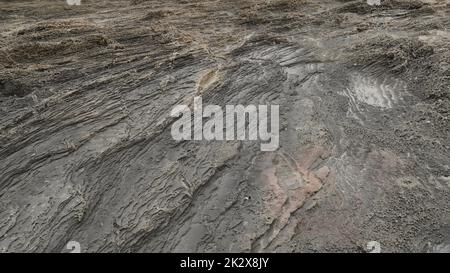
<point x="86" y="152"/>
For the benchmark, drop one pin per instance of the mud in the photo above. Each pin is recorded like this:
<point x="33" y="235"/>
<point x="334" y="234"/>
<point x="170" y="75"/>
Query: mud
<point x="86" y="152"/>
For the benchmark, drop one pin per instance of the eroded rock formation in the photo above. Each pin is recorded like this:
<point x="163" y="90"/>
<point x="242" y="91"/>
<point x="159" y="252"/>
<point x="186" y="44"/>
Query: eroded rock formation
<point x="86" y="152"/>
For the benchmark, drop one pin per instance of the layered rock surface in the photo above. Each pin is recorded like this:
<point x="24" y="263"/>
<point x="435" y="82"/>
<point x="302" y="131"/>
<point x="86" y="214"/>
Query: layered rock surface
<point x="86" y="151"/>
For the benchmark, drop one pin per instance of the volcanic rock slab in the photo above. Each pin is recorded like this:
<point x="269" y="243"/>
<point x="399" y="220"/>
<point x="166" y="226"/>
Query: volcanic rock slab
<point x="86" y="152"/>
